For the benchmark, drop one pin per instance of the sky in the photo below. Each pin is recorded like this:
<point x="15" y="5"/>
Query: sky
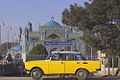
<point x="16" y="13"/>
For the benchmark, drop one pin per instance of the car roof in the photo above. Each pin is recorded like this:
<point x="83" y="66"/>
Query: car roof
<point x="65" y="52"/>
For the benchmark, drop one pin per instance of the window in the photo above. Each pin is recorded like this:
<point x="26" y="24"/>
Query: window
<point x="79" y="57"/>
<point x="67" y="56"/>
<point x="55" y="57"/>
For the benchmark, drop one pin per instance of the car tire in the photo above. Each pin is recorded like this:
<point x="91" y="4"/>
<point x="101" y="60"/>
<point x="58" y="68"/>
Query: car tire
<point x="62" y="76"/>
<point x="81" y="74"/>
<point x="36" y="73"/>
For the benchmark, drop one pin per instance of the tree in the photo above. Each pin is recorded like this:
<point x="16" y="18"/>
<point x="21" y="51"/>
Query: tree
<point x="100" y="23"/>
<point x="39" y="49"/>
<point x="5" y="46"/>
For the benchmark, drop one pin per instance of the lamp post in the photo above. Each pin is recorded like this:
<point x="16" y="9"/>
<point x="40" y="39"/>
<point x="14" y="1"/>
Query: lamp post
<point x="0" y="33"/>
<point x="0" y="30"/>
<point x="8" y="28"/>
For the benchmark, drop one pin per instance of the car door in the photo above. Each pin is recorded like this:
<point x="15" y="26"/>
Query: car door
<point x="70" y="64"/>
<point x="56" y="65"/>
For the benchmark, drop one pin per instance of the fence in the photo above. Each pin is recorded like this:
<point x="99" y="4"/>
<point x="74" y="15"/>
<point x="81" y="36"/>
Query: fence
<point x="11" y="69"/>
<point x="113" y="61"/>
<point x="35" y="57"/>
<point x="17" y="69"/>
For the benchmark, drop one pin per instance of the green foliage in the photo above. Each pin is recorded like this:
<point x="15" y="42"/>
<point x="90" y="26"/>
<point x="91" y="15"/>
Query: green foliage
<point x="5" y="46"/>
<point x="99" y="21"/>
<point x="39" y="49"/>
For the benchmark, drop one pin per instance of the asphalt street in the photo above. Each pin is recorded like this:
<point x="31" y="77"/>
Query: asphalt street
<point x="29" y="78"/>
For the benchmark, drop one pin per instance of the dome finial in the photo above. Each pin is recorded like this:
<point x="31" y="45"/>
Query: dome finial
<point x="52" y="18"/>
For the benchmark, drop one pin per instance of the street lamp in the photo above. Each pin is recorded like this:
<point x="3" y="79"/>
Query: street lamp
<point x="0" y="30"/>
<point x="8" y="34"/>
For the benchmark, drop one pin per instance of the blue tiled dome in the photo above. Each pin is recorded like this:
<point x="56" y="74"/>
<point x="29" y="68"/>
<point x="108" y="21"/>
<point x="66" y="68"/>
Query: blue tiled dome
<point x="16" y="48"/>
<point x="52" y="24"/>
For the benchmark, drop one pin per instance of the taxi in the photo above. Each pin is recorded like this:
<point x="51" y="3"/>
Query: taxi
<point x="63" y="63"/>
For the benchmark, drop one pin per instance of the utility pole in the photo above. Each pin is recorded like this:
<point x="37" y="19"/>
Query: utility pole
<point x="0" y="34"/>
<point x="91" y="52"/>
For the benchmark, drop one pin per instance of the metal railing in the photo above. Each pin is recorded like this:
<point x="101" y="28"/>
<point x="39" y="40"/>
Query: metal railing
<point x="32" y="57"/>
<point x="11" y="70"/>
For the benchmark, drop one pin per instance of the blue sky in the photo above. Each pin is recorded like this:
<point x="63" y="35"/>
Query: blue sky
<point x="17" y="13"/>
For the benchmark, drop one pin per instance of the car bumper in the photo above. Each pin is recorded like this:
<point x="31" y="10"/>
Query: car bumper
<point x="98" y="69"/>
<point x="27" y="71"/>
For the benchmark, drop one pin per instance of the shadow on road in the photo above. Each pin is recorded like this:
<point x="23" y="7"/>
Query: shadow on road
<point x="107" y="78"/>
<point x="60" y="79"/>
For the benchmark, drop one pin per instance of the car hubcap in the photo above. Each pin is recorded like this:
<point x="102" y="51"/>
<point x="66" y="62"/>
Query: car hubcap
<point x="36" y="74"/>
<point x="81" y="74"/>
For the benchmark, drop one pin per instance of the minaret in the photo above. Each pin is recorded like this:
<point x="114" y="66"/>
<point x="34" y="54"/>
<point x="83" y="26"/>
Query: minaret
<point x="20" y="34"/>
<point x="29" y="26"/>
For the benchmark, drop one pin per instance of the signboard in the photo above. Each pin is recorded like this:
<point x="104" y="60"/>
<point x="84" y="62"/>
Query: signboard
<point x="69" y="43"/>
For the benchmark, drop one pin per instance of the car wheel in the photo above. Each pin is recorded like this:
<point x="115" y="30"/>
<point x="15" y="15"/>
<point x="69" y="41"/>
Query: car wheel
<point x="62" y="76"/>
<point x="36" y="73"/>
<point x="82" y="73"/>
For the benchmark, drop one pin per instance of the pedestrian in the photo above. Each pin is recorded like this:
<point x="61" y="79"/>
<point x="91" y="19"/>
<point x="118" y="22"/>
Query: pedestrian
<point x="1" y="56"/>
<point x="8" y="67"/>
<point x="118" y="69"/>
<point x="9" y="58"/>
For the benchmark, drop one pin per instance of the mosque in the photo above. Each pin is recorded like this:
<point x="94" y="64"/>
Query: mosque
<point x="51" y="35"/>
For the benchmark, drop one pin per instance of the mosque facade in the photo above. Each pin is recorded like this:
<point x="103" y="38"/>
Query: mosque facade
<point x="51" y="35"/>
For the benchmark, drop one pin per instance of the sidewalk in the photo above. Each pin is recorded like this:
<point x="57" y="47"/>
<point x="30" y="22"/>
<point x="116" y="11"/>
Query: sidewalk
<point x="104" y="71"/>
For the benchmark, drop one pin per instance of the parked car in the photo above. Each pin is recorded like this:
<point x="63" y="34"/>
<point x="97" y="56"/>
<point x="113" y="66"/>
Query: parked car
<point x="62" y="63"/>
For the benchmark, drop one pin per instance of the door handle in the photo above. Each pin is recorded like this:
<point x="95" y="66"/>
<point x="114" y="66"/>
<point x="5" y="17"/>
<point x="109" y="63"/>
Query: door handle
<point x="85" y="63"/>
<point x="78" y="62"/>
<point x="62" y="62"/>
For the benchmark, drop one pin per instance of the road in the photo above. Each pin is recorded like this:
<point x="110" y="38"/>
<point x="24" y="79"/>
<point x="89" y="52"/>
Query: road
<point x="29" y="78"/>
<point x="16" y="78"/>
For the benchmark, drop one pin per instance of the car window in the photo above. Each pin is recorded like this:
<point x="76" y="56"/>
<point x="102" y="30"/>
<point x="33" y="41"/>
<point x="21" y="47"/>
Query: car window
<point x="79" y="57"/>
<point x="55" y="57"/>
<point x="69" y="57"/>
<point x="61" y="57"/>
<point x="58" y="57"/>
